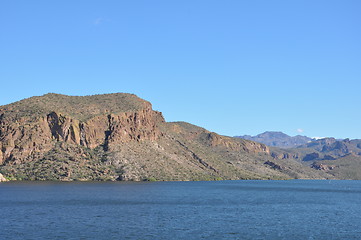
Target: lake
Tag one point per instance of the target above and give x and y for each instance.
(295, 209)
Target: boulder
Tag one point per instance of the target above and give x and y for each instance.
(2, 178)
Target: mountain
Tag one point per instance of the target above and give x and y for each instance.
(326, 149)
(120, 137)
(339, 158)
(278, 139)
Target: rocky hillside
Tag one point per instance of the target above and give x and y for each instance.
(278, 139)
(330, 148)
(339, 158)
(120, 137)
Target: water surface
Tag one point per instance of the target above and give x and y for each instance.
(297, 209)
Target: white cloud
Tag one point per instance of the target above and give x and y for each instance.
(300, 130)
(98, 21)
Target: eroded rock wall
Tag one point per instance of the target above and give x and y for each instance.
(25, 137)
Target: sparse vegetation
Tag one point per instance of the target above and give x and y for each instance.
(79, 107)
(130, 148)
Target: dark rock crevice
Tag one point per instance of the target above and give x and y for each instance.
(107, 134)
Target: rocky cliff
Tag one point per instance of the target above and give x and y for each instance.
(25, 136)
(120, 137)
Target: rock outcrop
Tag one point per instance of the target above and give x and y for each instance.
(215, 140)
(2, 178)
(324, 167)
(27, 136)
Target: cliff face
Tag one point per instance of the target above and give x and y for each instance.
(120, 137)
(26, 136)
(106, 129)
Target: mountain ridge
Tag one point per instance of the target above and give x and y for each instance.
(119, 137)
(277, 139)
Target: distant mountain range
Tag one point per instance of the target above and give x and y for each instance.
(340, 158)
(278, 139)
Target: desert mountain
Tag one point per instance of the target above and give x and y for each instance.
(120, 137)
(339, 158)
(278, 139)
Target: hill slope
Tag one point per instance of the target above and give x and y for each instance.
(339, 158)
(119, 137)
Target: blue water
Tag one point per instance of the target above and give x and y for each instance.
(297, 209)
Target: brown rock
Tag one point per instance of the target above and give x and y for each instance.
(214, 140)
(2, 178)
(28, 135)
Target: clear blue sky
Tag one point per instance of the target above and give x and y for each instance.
(234, 67)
